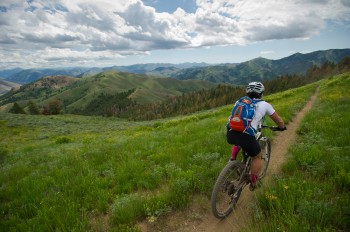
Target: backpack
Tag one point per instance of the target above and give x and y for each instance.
(242, 115)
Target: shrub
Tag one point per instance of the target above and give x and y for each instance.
(16, 109)
(55, 106)
(33, 108)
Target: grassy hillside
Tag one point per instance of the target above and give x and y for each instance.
(40, 90)
(81, 173)
(76, 96)
(146, 89)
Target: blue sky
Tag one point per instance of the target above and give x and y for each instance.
(61, 33)
(171, 5)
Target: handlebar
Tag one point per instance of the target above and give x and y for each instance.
(274, 128)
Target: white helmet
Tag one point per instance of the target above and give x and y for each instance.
(256, 87)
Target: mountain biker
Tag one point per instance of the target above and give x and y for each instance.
(248, 142)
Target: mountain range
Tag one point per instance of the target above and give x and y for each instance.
(81, 90)
(255, 69)
(24, 76)
(261, 69)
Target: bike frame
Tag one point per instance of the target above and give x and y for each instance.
(247, 159)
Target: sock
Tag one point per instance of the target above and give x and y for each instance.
(253, 178)
(235, 150)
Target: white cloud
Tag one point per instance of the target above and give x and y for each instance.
(267, 52)
(39, 31)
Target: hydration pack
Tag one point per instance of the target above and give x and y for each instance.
(242, 115)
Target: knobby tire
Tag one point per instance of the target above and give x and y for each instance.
(222, 200)
(266, 155)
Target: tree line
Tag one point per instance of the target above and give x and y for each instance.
(53, 107)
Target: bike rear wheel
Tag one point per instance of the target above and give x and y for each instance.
(226, 190)
(265, 145)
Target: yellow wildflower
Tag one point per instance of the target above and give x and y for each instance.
(270, 197)
(151, 219)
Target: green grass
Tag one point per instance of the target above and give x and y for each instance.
(313, 192)
(62, 172)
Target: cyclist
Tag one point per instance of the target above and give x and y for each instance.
(248, 142)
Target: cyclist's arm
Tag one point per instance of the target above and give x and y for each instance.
(278, 120)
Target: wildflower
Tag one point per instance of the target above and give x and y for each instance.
(151, 219)
(270, 197)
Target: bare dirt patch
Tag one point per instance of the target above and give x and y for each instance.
(198, 216)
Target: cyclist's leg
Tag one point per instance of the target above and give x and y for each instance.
(235, 139)
(255, 169)
(256, 164)
(235, 150)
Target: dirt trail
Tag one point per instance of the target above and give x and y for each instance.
(199, 217)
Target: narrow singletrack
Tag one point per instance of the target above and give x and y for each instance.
(199, 218)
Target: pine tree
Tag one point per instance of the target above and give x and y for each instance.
(16, 109)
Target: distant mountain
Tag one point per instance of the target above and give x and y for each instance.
(6, 86)
(152, 67)
(164, 71)
(299, 63)
(23, 76)
(262, 69)
(255, 69)
(9, 72)
(78, 93)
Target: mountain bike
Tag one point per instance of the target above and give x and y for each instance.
(235, 176)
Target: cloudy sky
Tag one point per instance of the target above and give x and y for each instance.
(60, 33)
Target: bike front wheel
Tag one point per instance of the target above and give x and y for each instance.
(226, 189)
(265, 145)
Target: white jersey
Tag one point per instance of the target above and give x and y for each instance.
(262, 108)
